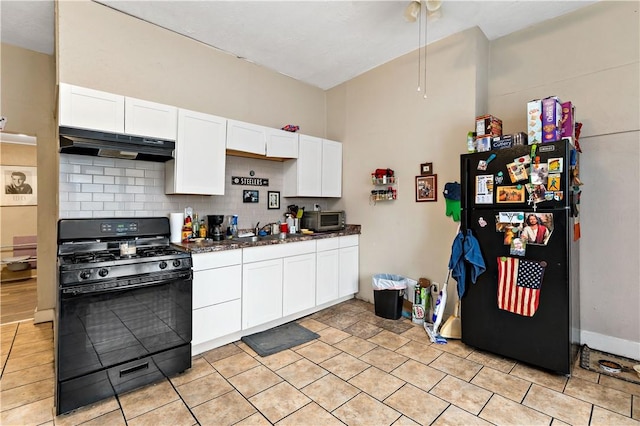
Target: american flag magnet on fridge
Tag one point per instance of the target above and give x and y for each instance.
(519, 283)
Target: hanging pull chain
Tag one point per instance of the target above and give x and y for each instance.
(419, 38)
(426, 19)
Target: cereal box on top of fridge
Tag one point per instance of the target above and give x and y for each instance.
(551, 119)
(534, 121)
(568, 120)
(488, 125)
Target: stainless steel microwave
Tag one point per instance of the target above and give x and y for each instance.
(321, 221)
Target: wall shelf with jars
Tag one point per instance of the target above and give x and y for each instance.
(385, 186)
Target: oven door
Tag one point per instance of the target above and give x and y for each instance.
(115, 337)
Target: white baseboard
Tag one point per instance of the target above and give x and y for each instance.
(612, 345)
(45, 315)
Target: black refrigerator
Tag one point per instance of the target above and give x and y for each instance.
(520, 204)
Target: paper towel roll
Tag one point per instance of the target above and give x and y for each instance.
(176, 220)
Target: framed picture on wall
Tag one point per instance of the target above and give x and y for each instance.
(273, 200)
(426, 169)
(20, 186)
(426, 188)
(250, 196)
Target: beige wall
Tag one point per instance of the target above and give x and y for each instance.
(28, 82)
(384, 123)
(598, 70)
(16, 221)
(107, 50)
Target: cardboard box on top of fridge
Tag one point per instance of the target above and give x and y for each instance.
(534, 121)
(551, 119)
(488, 125)
(568, 120)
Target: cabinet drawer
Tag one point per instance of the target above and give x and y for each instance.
(218, 285)
(277, 251)
(216, 321)
(216, 260)
(328, 244)
(349, 240)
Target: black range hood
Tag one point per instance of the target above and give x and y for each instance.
(114, 145)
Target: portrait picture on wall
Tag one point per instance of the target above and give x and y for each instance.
(273, 200)
(426, 188)
(20, 186)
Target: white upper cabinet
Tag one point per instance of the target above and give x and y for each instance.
(146, 118)
(331, 168)
(318, 170)
(90, 109)
(97, 110)
(281, 143)
(246, 137)
(199, 163)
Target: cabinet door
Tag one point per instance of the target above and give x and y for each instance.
(331, 168)
(144, 118)
(309, 166)
(216, 321)
(199, 163)
(327, 276)
(281, 143)
(349, 271)
(90, 109)
(246, 137)
(261, 292)
(299, 283)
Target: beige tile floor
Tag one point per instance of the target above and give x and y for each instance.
(363, 370)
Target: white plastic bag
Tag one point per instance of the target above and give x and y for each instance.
(390, 282)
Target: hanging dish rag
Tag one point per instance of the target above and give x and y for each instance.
(452, 200)
(519, 283)
(465, 251)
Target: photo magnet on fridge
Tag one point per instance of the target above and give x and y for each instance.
(517, 172)
(553, 182)
(555, 165)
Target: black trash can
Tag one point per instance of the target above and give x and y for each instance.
(388, 294)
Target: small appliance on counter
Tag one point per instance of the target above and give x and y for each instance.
(214, 227)
(323, 220)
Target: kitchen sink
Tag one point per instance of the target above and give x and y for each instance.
(257, 239)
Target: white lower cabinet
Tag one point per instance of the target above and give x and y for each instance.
(261, 292)
(217, 293)
(349, 266)
(299, 283)
(327, 270)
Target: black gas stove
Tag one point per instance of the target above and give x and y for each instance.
(124, 307)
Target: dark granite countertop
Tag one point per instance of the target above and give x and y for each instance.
(208, 245)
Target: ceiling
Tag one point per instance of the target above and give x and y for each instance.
(322, 43)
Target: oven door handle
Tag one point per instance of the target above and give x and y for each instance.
(126, 284)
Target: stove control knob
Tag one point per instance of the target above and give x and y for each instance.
(176, 263)
(103, 272)
(163, 264)
(85, 275)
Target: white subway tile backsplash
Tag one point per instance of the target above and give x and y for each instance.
(114, 188)
(138, 187)
(91, 205)
(92, 187)
(107, 180)
(82, 214)
(92, 170)
(124, 197)
(103, 197)
(111, 171)
(119, 180)
(105, 162)
(134, 189)
(80, 196)
(69, 168)
(134, 172)
(80, 178)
